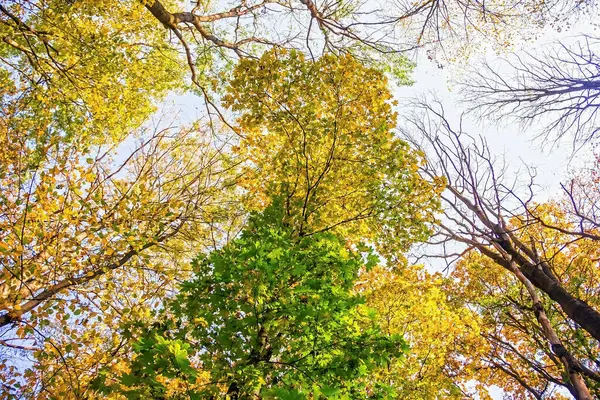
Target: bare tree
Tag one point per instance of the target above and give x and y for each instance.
(481, 204)
(558, 88)
(582, 200)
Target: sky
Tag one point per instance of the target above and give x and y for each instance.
(554, 163)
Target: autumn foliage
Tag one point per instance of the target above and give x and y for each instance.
(284, 241)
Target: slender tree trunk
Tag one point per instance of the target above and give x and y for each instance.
(529, 264)
(577, 310)
(570, 364)
(262, 352)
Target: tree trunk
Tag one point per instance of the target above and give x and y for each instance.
(570, 364)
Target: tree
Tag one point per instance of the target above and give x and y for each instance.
(515, 345)
(270, 315)
(443, 334)
(76, 228)
(315, 142)
(90, 72)
(479, 213)
(112, 228)
(319, 134)
(324, 164)
(77, 223)
(319, 155)
(559, 88)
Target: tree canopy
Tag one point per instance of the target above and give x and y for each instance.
(306, 234)
(273, 315)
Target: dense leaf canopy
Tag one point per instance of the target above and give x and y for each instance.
(272, 314)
